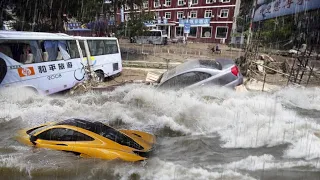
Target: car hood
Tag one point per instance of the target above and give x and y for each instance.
(146, 140)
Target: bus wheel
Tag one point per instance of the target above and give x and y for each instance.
(31, 91)
(100, 76)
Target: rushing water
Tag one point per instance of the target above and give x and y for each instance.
(207, 133)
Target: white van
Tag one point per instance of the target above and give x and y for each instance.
(45, 62)
(154, 36)
(105, 56)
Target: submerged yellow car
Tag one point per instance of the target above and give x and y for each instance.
(90, 139)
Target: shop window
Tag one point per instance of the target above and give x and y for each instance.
(179, 31)
(206, 32)
(221, 32)
(193, 32)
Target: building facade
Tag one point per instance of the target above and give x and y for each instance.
(209, 20)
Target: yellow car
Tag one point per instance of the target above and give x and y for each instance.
(90, 139)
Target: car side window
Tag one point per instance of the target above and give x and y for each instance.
(78, 136)
(63, 134)
(203, 75)
(185, 80)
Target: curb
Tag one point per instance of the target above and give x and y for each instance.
(152, 65)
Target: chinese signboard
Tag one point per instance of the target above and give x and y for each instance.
(195, 22)
(30, 71)
(157, 22)
(278, 8)
(186, 28)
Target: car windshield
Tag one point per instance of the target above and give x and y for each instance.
(38, 129)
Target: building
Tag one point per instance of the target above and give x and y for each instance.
(209, 20)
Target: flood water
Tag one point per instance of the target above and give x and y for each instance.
(209, 133)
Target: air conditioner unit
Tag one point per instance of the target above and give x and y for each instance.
(183, 17)
(212, 16)
(189, 16)
(220, 0)
(164, 5)
(184, 3)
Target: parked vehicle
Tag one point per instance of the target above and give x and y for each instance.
(105, 55)
(196, 73)
(42, 62)
(90, 139)
(48, 63)
(158, 37)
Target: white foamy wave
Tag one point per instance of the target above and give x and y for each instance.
(158, 169)
(305, 98)
(246, 120)
(15, 161)
(267, 162)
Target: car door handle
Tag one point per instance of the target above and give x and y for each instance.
(62, 144)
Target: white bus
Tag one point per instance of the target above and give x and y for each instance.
(158, 37)
(105, 56)
(43, 62)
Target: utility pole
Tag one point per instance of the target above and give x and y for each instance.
(251, 21)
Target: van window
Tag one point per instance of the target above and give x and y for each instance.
(111, 46)
(96, 47)
(103, 47)
(63, 50)
(23, 51)
(73, 49)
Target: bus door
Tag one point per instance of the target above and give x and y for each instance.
(59, 70)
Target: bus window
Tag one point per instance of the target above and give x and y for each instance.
(51, 47)
(73, 49)
(96, 47)
(25, 52)
(111, 46)
(157, 33)
(63, 51)
(6, 50)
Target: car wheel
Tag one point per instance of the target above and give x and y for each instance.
(100, 76)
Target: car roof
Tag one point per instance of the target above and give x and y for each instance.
(189, 65)
(84, 124)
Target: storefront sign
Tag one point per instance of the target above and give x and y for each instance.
(195, 22)
(283, 7)
(186, 28)
(157, 22)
